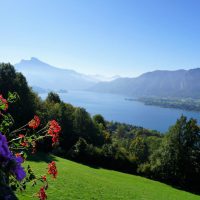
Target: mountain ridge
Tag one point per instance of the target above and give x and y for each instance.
(159, 83)
(46, 76)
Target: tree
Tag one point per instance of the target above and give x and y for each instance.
(178, 158)
(7, 78)
(10, 80)
(139, 149)
(99, 120)
(53, 98)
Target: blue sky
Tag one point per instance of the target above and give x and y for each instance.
(106, 37)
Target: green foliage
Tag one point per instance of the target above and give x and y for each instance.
(12, 97)
(7, 78)
(15, 83)
(80, 147)
(6, 122)
(177, 160)
(84, 127)
(99, 120)
(53, 98)
(139, 149)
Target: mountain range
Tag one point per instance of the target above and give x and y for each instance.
(159, 83)
(43, 76)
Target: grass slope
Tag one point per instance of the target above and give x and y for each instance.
(76, 181)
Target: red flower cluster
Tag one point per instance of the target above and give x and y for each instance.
(42, 194)
(4, 103)
(54, 130)
(34, 123)
(23, 143)
(54, 127)
(52, 169)
(21, 136)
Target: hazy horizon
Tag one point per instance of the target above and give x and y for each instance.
(125, 38)
(103, 75)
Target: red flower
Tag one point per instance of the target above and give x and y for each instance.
(53, 127)
(55, 138)
(21, 136)
(52, 169)
(18, 154)
(35, 122)
(4, 103)
(44, 178)
(54, 130)
(24, 144)
(42, 194)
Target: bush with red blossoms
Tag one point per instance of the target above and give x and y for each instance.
(12, 153)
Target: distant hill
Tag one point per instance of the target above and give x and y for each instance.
(180, 83)
(99, 78)
(44, 76)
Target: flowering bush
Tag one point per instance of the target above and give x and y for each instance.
(13, 148)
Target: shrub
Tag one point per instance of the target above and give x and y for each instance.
(13, 147)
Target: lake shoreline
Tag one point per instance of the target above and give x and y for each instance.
(115, 108)
(186, 105)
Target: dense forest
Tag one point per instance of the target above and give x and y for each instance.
(173, 158)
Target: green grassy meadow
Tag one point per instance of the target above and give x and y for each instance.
(76, 181)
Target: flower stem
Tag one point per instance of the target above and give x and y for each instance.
(19, 129)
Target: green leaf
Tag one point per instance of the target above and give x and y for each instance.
(12, 97)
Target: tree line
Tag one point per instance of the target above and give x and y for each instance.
(173, 158)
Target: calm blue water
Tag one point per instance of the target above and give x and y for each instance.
(116, 108)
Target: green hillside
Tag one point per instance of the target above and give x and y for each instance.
(77, 181)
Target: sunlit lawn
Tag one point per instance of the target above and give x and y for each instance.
(76, 181)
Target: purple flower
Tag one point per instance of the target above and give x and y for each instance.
(5, 153)
(18, 170)
(6, 157)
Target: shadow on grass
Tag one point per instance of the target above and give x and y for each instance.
(189, 189)
(94, 166)
(41, 157)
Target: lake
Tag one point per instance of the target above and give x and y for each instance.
(116, 108)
